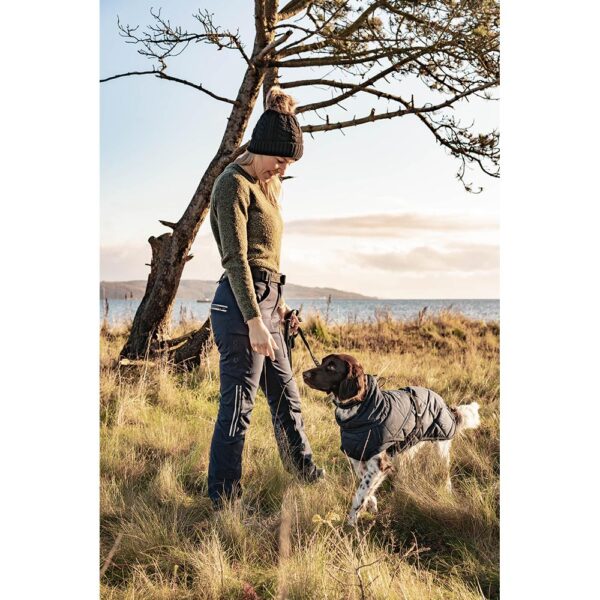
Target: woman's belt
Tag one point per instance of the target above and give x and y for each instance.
(260, 274)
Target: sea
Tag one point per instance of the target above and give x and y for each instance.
(337, 311)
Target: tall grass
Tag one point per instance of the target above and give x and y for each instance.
(284, 539)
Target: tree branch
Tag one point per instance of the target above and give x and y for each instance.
(365, 84)
(292, 8)
(387, 96)
(410, 108)
(410, 17)
(359, 58)
(161, 40)
(162, 75)
(276, 42)
(344, 124)
(360, 19)
(128, 74)
(168, 224)
(288, 50)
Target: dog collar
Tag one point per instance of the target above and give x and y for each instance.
(343, 405)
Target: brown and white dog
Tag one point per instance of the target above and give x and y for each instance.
(375, 424)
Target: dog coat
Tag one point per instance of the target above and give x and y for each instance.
(393, 420)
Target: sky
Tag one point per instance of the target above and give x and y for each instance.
(376, 211)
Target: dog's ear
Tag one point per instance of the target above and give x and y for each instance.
(353, 386)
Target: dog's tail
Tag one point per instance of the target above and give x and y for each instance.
(467, 416)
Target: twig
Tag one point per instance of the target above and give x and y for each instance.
(167, 224)
(284, 544)
(111, 554)
(370, 564)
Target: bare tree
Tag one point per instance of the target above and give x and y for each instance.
(443, 52)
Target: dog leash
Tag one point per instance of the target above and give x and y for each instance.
(290, 338)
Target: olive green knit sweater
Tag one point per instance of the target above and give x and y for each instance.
(247, 228)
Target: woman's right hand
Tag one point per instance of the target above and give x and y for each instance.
(261, 340)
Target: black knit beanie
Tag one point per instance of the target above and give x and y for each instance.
(277, 134)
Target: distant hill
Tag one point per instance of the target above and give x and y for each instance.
(198, 289)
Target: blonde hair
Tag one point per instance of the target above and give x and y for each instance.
(272, 188)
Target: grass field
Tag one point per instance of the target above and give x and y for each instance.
(285, 539)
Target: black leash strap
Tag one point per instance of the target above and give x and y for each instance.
(290, 338)
(317, 363)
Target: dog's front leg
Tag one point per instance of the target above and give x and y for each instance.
(373, 477)
(359, 467)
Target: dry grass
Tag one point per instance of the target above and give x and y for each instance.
(283, 539)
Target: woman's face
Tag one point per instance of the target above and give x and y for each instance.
(267, 167)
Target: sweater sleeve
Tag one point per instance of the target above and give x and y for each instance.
(232, 202)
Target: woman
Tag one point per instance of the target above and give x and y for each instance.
(248, 307)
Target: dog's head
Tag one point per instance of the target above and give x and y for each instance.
(340, 374)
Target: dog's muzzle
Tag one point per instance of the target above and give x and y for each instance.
(307, 376)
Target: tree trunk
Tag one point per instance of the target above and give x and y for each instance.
(190, 354)
(170, 251)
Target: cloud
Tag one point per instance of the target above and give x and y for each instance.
(388, 225)
(475, 258)
(452, 271)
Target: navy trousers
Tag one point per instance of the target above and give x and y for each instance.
(241, 372)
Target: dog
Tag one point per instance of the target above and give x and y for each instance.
(376, 425)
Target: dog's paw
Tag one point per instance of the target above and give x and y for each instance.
(371, 505)
(352, 518)
(448, 485)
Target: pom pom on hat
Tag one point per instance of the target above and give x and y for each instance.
(278, 100)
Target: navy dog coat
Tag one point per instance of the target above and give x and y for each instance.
(393, 420)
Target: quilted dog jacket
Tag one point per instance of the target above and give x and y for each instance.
(389, 420)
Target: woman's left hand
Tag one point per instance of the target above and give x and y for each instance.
(284, 311)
